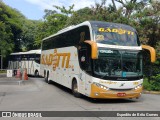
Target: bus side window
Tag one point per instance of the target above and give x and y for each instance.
(84, 60)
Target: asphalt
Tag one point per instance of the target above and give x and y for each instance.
(13, 80)
(36, 95)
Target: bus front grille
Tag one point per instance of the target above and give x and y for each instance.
(121, 89)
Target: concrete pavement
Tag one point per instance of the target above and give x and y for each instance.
(36, 95)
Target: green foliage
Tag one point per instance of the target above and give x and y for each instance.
(12, 27)
(53, 22)
(154, 85)
(64, 11)
(6, 45)
(79, 16)
(28, 35)
(147, 85)
(156, 82)
(16, 32)
(148, 23)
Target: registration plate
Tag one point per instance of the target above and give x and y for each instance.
(121, 94)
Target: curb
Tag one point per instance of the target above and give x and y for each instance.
(151, 92)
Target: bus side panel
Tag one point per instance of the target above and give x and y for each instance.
(65, 71)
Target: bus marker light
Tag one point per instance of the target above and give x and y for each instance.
(96, 94)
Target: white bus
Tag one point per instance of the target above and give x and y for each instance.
(96, 59)
(29, 60)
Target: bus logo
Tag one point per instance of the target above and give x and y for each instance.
(54, 59)
(116, 30)
(122, 84)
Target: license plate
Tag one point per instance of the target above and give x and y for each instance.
(121, 94)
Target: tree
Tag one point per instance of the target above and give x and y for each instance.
(16, 32)
(79, 16)
(6, 45)
(53, 22)
(10, 19)
(28, 36)
(148, 26)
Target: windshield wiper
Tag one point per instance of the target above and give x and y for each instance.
(104, 75)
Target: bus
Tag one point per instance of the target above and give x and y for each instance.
(96, 59)
(29, 60)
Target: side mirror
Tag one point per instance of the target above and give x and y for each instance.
(94, 49)
(151, 51)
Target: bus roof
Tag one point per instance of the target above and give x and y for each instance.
(28, 52)
(90, 23)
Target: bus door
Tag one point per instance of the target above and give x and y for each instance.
(85, 64)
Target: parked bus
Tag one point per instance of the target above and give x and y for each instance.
(96, 59)
(29, 60)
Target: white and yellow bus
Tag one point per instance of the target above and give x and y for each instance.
(29, 60)
(96, 59)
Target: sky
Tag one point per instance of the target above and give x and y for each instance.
(34, 9)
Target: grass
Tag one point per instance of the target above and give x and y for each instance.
(3, 71)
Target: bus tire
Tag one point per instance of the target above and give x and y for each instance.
(48, 81)
(44, 73)
(75, 89)
(45, 76)
(36, 73)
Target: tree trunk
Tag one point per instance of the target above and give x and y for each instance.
(114, 5)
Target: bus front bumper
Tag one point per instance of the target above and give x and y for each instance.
(97, 92)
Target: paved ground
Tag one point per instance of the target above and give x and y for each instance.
(36, 95)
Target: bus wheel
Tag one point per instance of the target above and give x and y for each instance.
(47, 80)
(75, 89)
(36, 74)
(45, 76)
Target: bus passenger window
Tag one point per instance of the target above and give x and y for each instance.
(83, 59)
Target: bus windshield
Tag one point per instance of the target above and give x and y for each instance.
(115, 34)
(118, 63)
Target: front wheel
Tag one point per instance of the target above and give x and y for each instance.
(75, 89)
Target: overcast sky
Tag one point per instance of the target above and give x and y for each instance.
(34, 9)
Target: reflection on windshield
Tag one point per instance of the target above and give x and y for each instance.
(119, 65)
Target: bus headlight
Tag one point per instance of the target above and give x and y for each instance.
(101, 86)
(137, 87)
